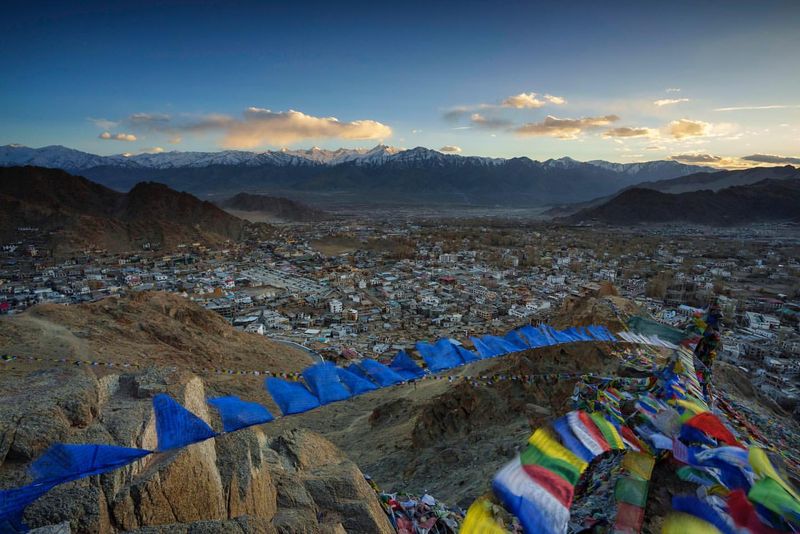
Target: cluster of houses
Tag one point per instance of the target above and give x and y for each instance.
(368, 300)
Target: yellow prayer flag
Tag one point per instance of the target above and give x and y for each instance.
(680, 523)
(479, 519)
(639, 463)
(545, 442)
(764, 468)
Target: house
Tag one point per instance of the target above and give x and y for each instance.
(335, 306)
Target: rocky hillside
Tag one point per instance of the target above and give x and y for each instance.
(274, 208)
(149, 329)
(765, 201)
(76, 213)
(246, 481)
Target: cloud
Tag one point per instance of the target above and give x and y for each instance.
(152, 150)
(488, 123)
(770, 158)
(669, 101)
(655, 147)
(531, 101)
(416, 131)
(625, 131)
(104, 124)
(711, 160)
(154, 121)
(673, 89)
(683, 128)
(262, 126)
(259, 126)
(750, 108)
(108, 136)
(452, 149)
(696, 158)
(564, 128)
(456, 114)
(520, 101)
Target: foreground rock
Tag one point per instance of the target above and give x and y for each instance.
(248, 481)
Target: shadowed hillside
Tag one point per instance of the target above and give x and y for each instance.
(768, 200)
(75, 213)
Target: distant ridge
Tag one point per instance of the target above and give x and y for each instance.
(276, 207)
(73, 213)
(379, 175)
(765, 201)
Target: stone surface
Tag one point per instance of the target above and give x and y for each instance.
(245, 481)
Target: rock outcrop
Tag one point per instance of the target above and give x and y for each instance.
(247, 481)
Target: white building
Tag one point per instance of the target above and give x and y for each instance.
(335, 306)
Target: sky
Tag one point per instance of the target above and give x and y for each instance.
(706, 82)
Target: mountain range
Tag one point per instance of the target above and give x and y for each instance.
(72, 213)
(379, 175)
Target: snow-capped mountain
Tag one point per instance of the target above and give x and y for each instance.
(380, 172)
(74, 160)
(648, 167)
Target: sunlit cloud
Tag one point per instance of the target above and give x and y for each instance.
(152, 150)
(450, 149)
(720, 162)
(259, 126)
(770, 158)
(683, 128)
(625, 131)
(564, 128)
(669, 101)
(531, 101)
(262, 126)
(103, 124)
(488, 123)
(697, 158)
(752, 108)
(108, 136)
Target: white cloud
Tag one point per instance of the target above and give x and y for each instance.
(108, 136)
(684, 128)
(669, 101)
(626, 131)
(751, 108)
(450, 149)
(531, 101)
(259, 126)
(262, 126)
(488, 123)
(564, 128)
(673, 89)
(103, 124)
(696, 158)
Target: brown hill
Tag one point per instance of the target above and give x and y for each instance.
(149, 329)
(272, 208)
(767, 200)
(75, 213)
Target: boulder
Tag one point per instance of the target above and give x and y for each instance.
(244, 481)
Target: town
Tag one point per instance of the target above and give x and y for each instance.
(366, 288)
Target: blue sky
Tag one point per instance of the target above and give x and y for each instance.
(479, 77)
